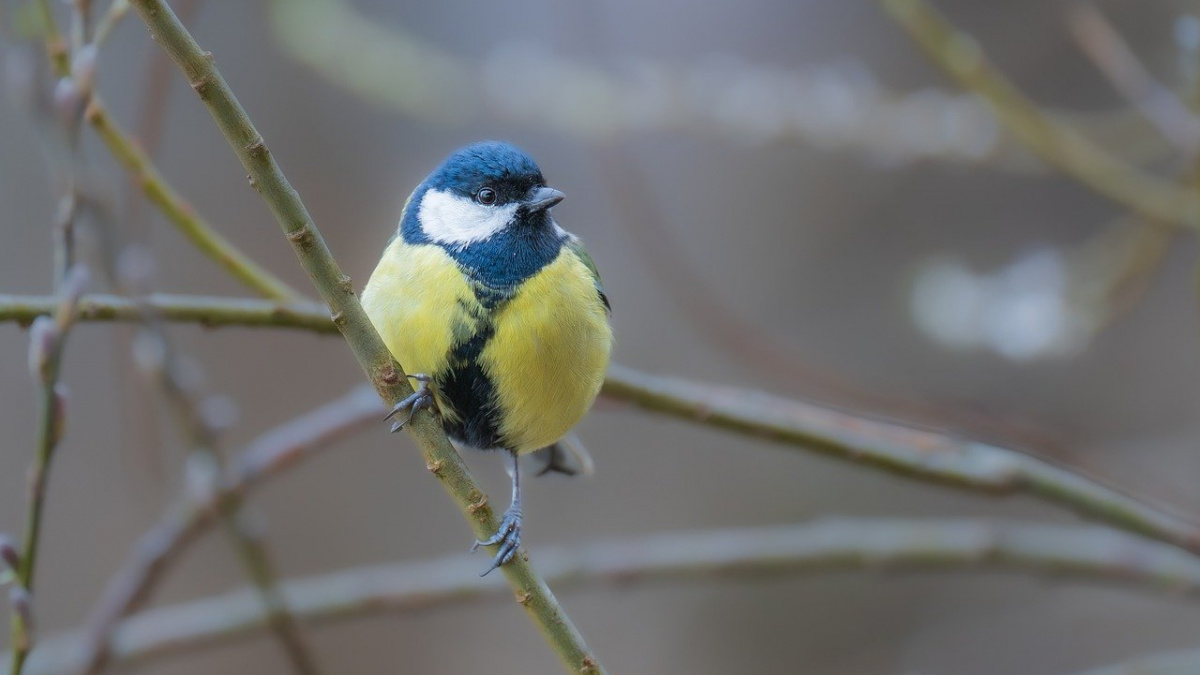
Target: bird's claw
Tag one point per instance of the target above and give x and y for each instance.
(421, 398)
(508, 536)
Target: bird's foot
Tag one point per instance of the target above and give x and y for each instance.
(422, 397)
(508, 536)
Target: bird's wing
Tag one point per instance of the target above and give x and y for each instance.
(577, 248)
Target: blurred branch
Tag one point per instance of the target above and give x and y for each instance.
(179, 388)
(338, 292)
(831, 544)
(48, 339)
(831, 107)
(902, 450)
(164, 543)
(117, 10)
(1183, 662)
(157, 190)
(195, 228)
(1115, 58)
(1060, 145)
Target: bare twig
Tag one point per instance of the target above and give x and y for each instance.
(157, 190)
(337, 291)
(1058, 144)
(47, 341)
(208, 311)
(1114, 57)
(163, 544)
(156, 356)
(832, 544)
(117, 10)
(903, 450)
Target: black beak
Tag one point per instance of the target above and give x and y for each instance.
(542, 199)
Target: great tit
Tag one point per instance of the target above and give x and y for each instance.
(498, 312)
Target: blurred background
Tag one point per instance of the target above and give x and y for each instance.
(780, 195)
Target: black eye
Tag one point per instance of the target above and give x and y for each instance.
(486, 196)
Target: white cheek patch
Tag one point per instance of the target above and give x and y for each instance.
(448, 218)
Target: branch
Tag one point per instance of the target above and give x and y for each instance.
(1091, 554)
(840, 107)
(916, 454)
(206, 311)
(1058, 144)
(143, 172)
(338, 292)
(1113, 56)
(272, 452)
(47, 344)
(905, 451)
(156, 357)
(191, 225)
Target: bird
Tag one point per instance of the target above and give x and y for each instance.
(499, 314)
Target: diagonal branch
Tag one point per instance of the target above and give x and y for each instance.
(144, 174)
(1060, 145)
(337, 291)
(1091, 554)
(182, 524)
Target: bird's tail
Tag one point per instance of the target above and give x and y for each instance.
(567, 457)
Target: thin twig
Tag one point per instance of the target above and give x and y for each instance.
(47, 343)
(164, 543)
(1058, 144)
(338, 292)
(1091, 554)
(194, 227)
(117, 11)
(157, 357)
(143, 172)
(902, 450)
(207, 311)
(1116, 59)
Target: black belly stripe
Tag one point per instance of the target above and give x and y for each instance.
(467, 387)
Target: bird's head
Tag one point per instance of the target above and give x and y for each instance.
(480, 191)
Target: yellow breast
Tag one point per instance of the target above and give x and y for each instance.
(549, 353)
(420, 303)
(550, 342)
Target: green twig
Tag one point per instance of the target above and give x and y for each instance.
(902, 450)
(1091, 554)
(194, 227)
(338, 292)
(1057, 144)
(208, 311)
(157, 190)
